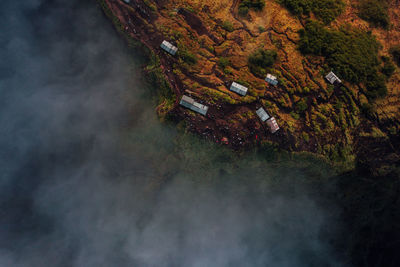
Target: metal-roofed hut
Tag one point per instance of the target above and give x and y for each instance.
(332, 78)
(271, 79)
(238, 88)
(189, 103)
(167, 46)
(273, 125)
(262, 114)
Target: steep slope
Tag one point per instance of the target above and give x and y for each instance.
(215, 42)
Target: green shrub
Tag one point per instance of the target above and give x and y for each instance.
(188, 57)
(353, 54)
(395, 52)
(301, 106)
(388, 68)
(376, 87)
(368, 110)
(260, 60)
(246, 5)
(306, 137)
(325, 10)
(223, 62)
(243, 11)
(375, 12)
(295, 115)
(228, 26)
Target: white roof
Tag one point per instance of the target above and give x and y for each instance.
(262, 114)
(270, 76)
(332, 78)
(271, 79)
(189, 102)
(167, 46)
(238, 88)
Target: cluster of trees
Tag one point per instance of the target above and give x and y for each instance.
(246, 5)
(375, 12)
(353, 54)
(325, 10)
(260, 60)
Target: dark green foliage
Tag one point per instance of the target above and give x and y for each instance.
(395, 52)
(376, 86)
(228, 26)
(301, 106)
(368, 110)
(246, 5)
(353, 54)
(325, 10)
(260, 60)
(388, 68)
(188, 57)
(243, 11)
(375, 12)
(224, 62)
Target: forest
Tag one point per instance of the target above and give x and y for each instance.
(351, 53)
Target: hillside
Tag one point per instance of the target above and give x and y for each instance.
(298, 41)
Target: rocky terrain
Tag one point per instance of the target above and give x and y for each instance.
(215, 40)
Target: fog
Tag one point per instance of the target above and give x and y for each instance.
(90, 177)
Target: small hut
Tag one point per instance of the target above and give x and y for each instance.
(332, 78)
(239, 89)
(189, 103)
(271, 79)
(167, 46)
(273, 125)
(262, 114)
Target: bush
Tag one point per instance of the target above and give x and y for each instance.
(388, 68)
(228, 26)
(301, 106)
(375, 12)
(325, 10)
(376, 86)
(246, 5)
(224, 62)
(368, 110)
(243, 11)
(188, 57)
(353, 54)
(395, 52)
(260, 60)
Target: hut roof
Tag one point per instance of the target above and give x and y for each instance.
(273, 125)
(189, 103)
(262, 114)
(167, 46)
(332, 78)
(238, 88)
(271, 79)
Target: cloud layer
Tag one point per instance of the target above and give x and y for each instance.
(89, 177)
